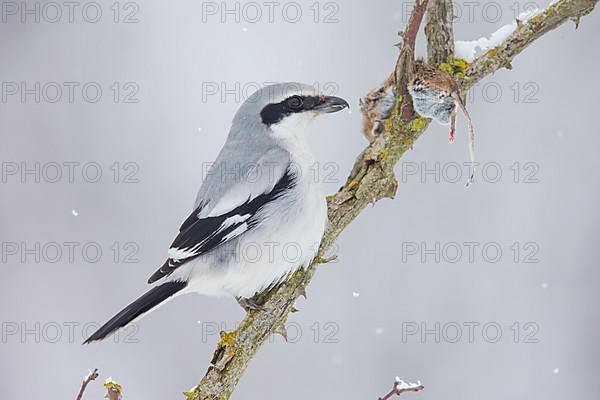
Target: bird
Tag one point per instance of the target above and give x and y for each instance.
(259, 214)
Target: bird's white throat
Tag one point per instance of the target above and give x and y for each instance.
(292, 133)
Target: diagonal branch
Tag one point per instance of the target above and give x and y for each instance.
(372, 178)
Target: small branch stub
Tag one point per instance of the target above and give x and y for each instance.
(400, 387)
(91, 376)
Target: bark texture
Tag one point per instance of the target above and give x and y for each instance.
(372, 177)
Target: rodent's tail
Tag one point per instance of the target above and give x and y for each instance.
(471, 137)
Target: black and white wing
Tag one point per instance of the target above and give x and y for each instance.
(200, 234)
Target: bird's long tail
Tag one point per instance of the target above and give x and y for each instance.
(142, 305)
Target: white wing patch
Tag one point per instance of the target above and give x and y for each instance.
(201, 233)
(175, 254)
(236, 232)
(234, 219)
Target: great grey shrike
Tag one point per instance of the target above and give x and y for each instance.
(259, 214)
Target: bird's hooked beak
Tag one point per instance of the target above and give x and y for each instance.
(331, 104)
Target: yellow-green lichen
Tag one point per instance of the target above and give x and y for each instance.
(550, 11)
(457, 67)
(383, 154)
(112, 385)
(416, 125)
(227, 339)
(388, 123)
(294, 280)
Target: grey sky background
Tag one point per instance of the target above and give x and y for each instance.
(536, 126)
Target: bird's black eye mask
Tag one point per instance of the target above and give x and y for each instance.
(275, 112)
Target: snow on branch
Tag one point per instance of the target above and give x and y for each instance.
(508, 41)
(401, 387)
(468, 49)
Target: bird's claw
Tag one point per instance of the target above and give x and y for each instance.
(248, 304)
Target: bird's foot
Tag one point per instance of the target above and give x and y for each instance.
(248, 304)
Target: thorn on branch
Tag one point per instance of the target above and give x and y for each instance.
(303, 293)
(391, 191)
(400, 387)
(280, 330)
(325, 260)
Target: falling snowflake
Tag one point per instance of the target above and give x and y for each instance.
(355, 294)
(379, 331)
(545, 285)
(74, 212)
(555, 371)
(244, 29)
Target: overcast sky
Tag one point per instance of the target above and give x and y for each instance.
(487, 292)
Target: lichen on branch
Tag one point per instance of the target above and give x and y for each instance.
(371, 179)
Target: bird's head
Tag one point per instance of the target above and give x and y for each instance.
(287, 108)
